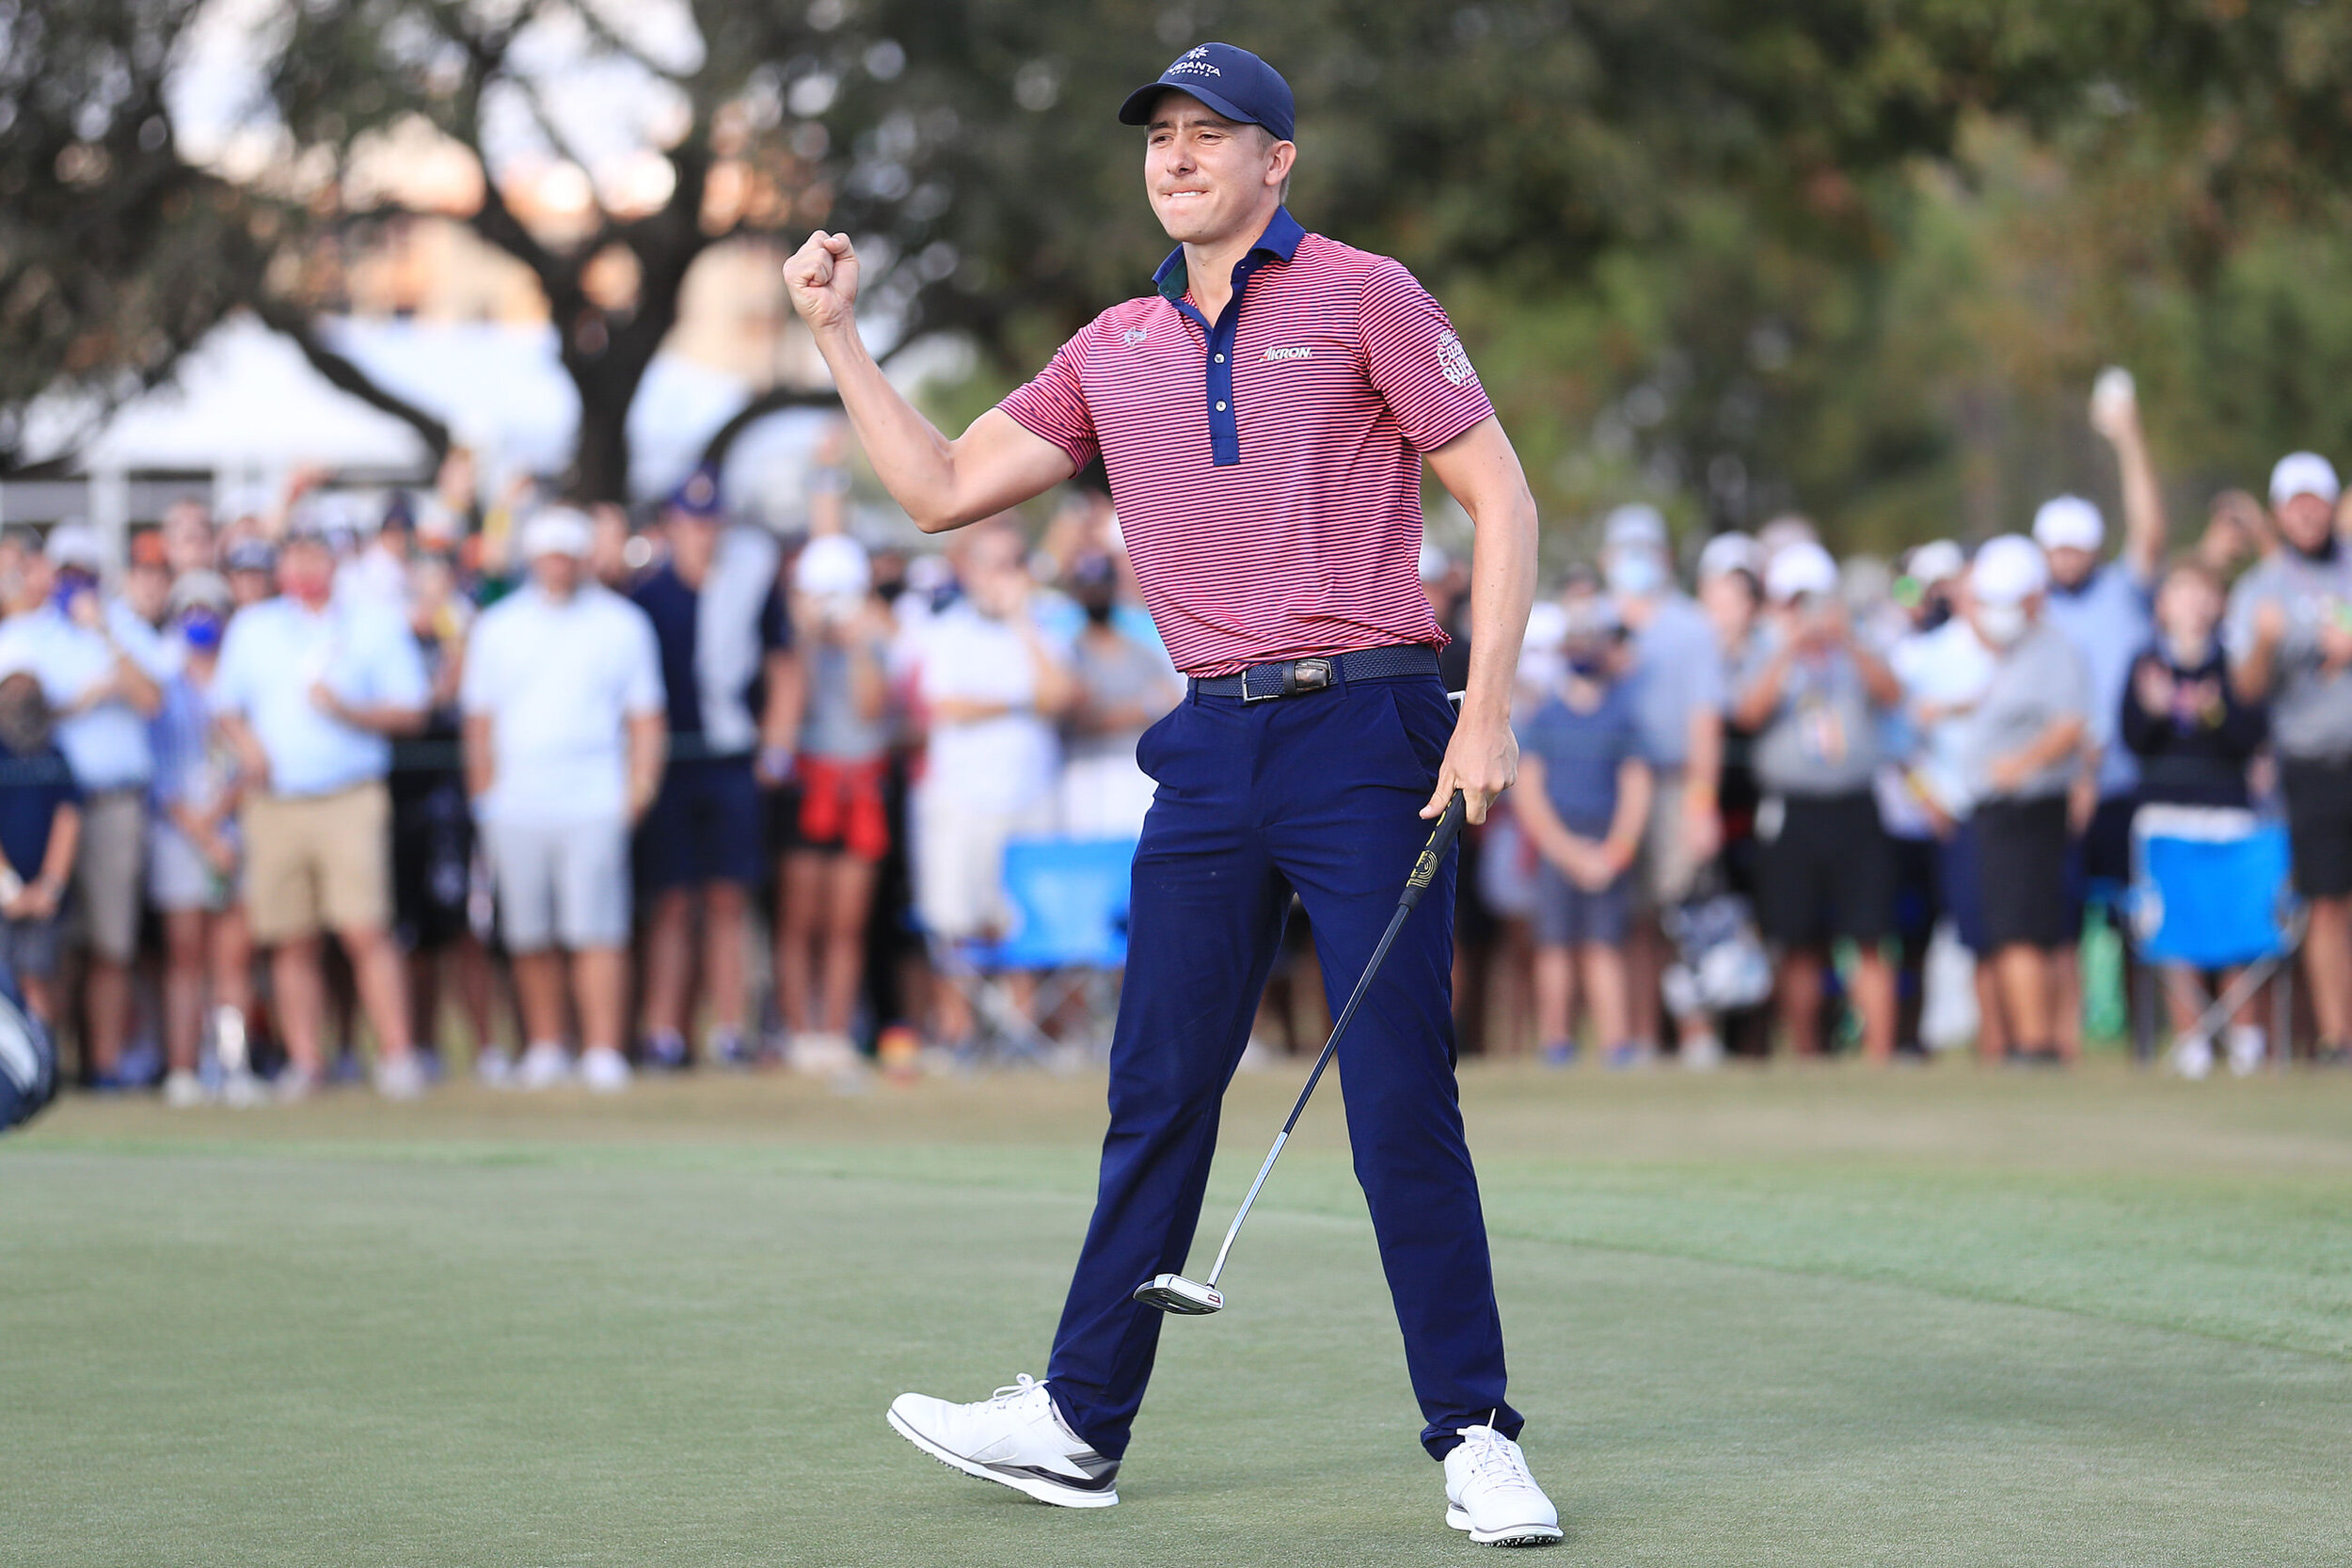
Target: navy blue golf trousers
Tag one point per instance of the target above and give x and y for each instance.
(1317, 794)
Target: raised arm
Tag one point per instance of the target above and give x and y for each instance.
(940, 484)
(2144, 528)
(1480, 470)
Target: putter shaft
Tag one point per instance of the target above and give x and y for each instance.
(1441, 838)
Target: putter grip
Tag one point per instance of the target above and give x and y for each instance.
(1433, 853)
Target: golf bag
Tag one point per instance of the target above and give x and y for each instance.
(28, 1061)
(1719, 963)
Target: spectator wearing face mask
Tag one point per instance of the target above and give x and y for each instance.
(837, 825)
(1119, 688)
(1675, 677)
(311, 692)
(194, 855)
(1813, 697)
(1944, 667)
(2290, 643)
(1584, 792)
(2023, 757)
(101, 667)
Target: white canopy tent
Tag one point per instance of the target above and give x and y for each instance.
(246, 407)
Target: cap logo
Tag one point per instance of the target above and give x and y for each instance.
(1453, 359)
(1194, 64)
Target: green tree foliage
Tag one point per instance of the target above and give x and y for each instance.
(1857, 256)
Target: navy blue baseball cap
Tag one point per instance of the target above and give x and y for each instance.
(698, 495)
(1233, 82)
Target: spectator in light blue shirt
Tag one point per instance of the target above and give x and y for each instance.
(2104, 611)
(1676, 681)
(100, 666)
(309, 692)
(564, 735)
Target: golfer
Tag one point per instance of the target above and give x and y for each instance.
(1264, 414)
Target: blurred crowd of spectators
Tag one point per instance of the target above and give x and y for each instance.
(545, 776)
(548, 776)
(1760, 803)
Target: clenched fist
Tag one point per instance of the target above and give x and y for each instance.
(823, 280)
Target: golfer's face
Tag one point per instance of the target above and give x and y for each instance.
(1207, 175)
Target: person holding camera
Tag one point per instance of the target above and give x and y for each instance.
(1813, 697)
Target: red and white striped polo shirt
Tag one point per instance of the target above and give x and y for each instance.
(1270, 497)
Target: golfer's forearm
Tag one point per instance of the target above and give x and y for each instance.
(1503, 590)
(915, 462)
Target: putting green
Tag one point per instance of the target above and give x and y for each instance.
(1814, 1318)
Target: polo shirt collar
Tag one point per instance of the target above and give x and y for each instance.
(1279, 243)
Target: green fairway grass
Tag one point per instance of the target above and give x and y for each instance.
(1814, 1318)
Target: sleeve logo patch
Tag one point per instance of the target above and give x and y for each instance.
(1135, 335)
(1302, 352)
(1452, 358)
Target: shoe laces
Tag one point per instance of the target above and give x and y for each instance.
(1493, 1459)
(1018, 1389)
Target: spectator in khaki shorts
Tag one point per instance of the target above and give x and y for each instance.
(309, 692)
(99, 665)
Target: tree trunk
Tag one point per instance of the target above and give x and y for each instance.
(601, 459)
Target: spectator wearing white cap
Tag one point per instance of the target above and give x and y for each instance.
(1674, 678)
(101, 668)
(310, 692)
(564, 740)
(1813, 697)
(2290, 641)
(836, 827)
(1941, 667)
(1944, 667)
(2022, 757)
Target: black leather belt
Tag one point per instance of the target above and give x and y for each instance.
(1291, 677)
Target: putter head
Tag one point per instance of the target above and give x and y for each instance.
(1173, 1292)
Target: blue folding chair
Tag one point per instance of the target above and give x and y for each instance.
(1069, 935)
(2211, 890)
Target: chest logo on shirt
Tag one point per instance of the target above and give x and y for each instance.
(1453, 359)
(1301, 351)
(1135, 335)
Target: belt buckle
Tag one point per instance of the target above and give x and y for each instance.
(1247, 696)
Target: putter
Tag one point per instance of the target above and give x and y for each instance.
(1194, 1298)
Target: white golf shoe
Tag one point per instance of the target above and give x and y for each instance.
(1489, 1493)
(1015, 1438)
